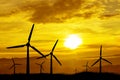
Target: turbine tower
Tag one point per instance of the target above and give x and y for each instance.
(14, 66)
(100, 59)
(41, 66)
(52, 56)
(86, 66)
(28, 45)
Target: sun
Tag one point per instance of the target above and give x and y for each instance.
(72, 41)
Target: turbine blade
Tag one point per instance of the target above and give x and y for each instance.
(88, 66)
(11, 66)
(18, 46)
(43, 56)
(39, 57)
(106, 60)
(18, 64)
(54, 46)
(29, 38)
(95, 62)
(36, 50)
(57, 59)
(13, 61)
(37, 63)
(42, 62)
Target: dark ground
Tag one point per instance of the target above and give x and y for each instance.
(78, 76)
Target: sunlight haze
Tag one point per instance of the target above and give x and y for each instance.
(92, 22)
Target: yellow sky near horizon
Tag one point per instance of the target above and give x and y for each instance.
(96, 22)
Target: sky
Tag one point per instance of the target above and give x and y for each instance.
(96, 22)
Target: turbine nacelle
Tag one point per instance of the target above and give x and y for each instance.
(28, 44)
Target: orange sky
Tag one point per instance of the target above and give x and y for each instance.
(95, 21)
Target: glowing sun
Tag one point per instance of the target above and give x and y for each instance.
(72, 41)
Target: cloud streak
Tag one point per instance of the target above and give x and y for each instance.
(47, 11)
(94, 46)
(56, 11)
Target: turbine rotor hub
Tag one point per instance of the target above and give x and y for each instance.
(28, 44)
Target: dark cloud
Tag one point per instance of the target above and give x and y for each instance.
(47, 11)
(106, 16)
(43, 12)
(116, 55)
(104, 46)
(112, 8)
(8, 8)
(53, 10)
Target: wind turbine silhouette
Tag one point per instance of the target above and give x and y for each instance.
(51, 56)
(28, 45)
(14, 66)
(41, 66)
(86, 66)
(100, 59)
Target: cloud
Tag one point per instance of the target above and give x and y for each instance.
(111, 26)
(65, 9)
(85, 9)
(95, 46)
(57, 12)
(112, 8)
(9, 26)
(8, 8)
(84, 30)
(42, 41)
(106, 16)
(51, 10)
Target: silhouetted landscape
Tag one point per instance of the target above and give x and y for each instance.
(60, 40)
(77, 76)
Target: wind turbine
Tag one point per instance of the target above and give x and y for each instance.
(52, 56)
(14, 66)
(100, 59)
(28, 45)
(86, 66)
(41, 66)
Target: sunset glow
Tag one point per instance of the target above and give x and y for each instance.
(72, 41)
(81, 26)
